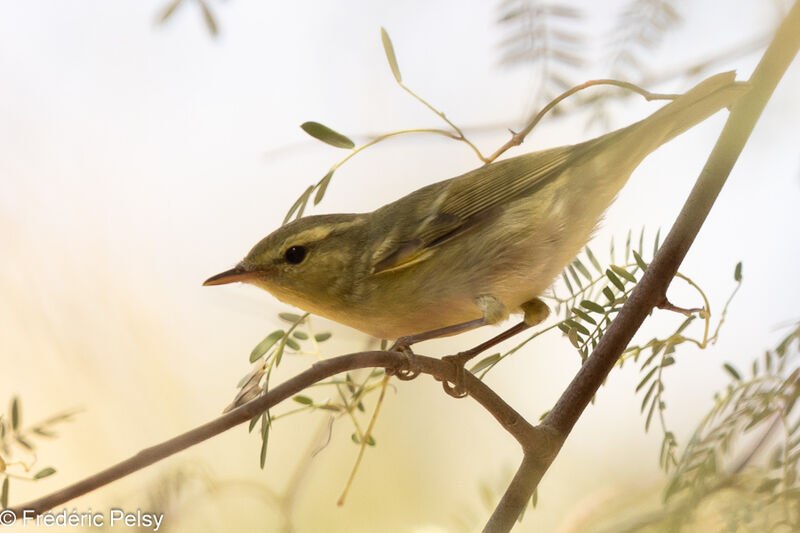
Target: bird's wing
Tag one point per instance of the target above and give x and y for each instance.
(468, 200)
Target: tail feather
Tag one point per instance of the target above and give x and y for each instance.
(691, 108)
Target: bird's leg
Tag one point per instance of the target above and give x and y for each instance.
(403, 344)
(536, 311)
(492, 311)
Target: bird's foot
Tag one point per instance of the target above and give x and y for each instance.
(410, 369)
(456, 388)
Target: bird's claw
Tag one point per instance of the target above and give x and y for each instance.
(456, 388)
(410, 369)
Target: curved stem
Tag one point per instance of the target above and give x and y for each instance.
(517, 138)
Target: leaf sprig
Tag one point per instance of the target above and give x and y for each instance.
(16, 438)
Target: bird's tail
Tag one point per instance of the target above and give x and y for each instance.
(690, 108)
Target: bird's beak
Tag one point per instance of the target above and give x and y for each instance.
(237, 273)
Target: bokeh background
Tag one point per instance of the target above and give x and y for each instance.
(137, 159)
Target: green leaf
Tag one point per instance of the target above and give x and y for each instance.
(594, 307)
(656, 242)
(535, 497)
(575, 275)
(322, 337)
(485, 363)
(253, 422)
(732, 371)
(265, 423)
(44, 472)
(584, 316)
(737, 272)
(292, 318)
(641, 241)
(300, 204)
(349, 382)
(611, 249)
(322, 186)
(615, 280)
(264, 346)
(572, 335)
(628, 245)
(300, 335)
(291, 343)
(648, 394)
(390, 57)
(15, 413)
(577, 326)
(4, 494)
(593, 260)
(370, 440)
(646, 378)
(639, 260)
(304, 400)
(623, 273)
(582, 269)
(684, 325)
(327, 135)
(567, 283)
(608, 294)
(650, 413)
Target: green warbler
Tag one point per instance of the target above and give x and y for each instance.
(469, 250)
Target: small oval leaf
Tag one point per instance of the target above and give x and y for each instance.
(390, 57)
(322, 337)
(327, 135)
(291, 343)
(592, 306)
(43, 473)
(4, 495)
(263, 346)
(304, 400)
(299, 205)
(15, 413)
(732, 371)
(291, 318)
(322, 186)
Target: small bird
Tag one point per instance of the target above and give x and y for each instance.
(469, 250)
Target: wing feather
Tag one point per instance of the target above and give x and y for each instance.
(464, 202)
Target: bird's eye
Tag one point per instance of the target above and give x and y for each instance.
(295, 254)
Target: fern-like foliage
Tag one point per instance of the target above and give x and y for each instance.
(299, 338)
(760, 403)
(640, 28)
(542, 34)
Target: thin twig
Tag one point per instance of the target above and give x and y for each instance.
(518, 137)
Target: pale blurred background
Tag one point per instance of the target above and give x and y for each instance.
(136, 160)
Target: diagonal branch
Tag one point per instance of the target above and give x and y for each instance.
(652, 288)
